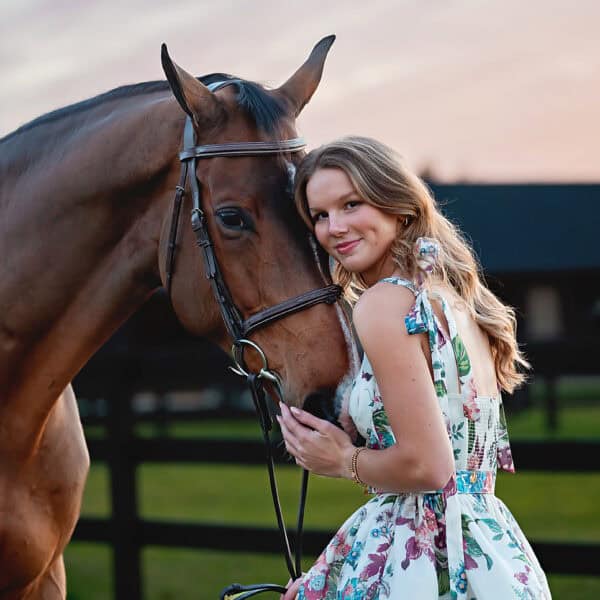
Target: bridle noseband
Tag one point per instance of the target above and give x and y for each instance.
(238, 327)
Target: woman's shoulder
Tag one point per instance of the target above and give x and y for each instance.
(381, 309)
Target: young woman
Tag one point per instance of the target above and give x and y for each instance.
(439, 347)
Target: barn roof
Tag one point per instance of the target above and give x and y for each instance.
(535, 227)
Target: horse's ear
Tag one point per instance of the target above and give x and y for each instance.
(300, 87)
(193, 96)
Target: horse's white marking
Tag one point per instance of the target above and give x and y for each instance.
(291, 171)
(315, 250)
(342, 393)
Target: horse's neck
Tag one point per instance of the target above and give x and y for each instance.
(79, 235)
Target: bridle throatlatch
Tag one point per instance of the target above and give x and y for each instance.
(238, 327)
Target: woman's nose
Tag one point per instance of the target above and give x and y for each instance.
(337, 225)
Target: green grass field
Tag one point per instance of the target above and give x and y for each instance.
(549, 506)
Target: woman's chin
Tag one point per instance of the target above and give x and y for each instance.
(350, 262)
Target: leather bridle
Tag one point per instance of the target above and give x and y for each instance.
(238, 327)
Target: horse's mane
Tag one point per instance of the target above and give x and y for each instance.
(252, 97)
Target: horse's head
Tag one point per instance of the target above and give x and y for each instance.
(261, 245)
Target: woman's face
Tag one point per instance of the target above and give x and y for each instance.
(356, 233)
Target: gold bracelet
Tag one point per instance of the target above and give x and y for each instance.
(353, 465)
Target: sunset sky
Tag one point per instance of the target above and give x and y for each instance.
(497, 90)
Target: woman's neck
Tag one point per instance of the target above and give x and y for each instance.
(387, 268)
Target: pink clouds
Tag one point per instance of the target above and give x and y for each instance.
(496, 90)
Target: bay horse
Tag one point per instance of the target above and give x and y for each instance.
(85, 211)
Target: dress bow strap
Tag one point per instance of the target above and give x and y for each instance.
(427, 252)
(420, 318)
(417, 320)
(455, 542)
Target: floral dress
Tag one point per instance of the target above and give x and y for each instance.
(460, 542)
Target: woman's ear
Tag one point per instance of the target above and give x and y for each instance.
(399, 224)
(403, 222)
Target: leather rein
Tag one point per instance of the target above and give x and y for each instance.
(238, 327)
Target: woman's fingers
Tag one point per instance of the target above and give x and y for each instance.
(293, 425)
(292, 590)
(303, 420)
(316, 444)
(287, 585)
(291, 443)
(293, 432)
(309, 420)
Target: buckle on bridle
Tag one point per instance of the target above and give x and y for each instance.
(197, 218)
(240, 368)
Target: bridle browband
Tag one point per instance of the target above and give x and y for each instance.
(243, 149)
(238, 327)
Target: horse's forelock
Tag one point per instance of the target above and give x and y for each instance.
(266, 110)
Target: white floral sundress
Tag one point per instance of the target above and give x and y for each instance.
(461, 542)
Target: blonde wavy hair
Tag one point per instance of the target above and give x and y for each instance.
(380, 178)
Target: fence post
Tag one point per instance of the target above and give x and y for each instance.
(126, 547)
(552, 403)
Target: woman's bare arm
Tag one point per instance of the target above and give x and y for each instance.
(421, 459)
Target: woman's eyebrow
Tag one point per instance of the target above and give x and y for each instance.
(342, 197)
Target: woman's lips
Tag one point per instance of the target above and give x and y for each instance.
(346, 247)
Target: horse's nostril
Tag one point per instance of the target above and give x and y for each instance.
(321, 404)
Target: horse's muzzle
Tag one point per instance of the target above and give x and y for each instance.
(321, 404)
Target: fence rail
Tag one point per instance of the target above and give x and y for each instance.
(561, 558)
(571, 456)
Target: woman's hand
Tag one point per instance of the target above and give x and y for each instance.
(316, 444)
(292, 589)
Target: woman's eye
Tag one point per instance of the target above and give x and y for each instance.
(319, 217)
(232, 219)
(353, 203)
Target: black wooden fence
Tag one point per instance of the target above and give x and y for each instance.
(531, 257)
(127, 533)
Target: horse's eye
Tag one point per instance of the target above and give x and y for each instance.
(232, 218)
